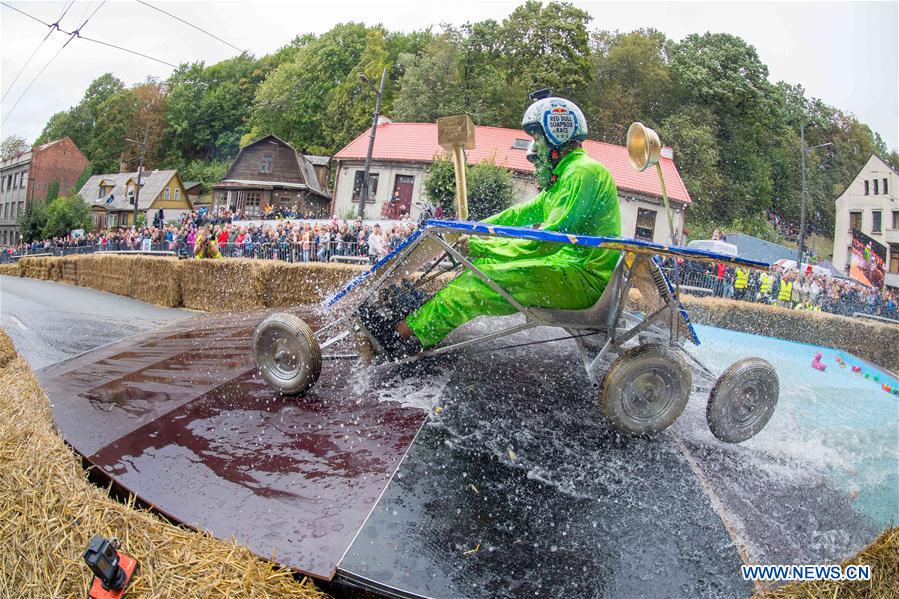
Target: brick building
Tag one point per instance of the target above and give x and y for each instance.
(28, 176)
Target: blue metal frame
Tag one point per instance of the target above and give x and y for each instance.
(613, 243)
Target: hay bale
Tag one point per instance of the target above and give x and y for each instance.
(882, 556)
(115, 274)
(50, 511)
(10, 269)
(34, 267)
(156, 280)
(54, 268)
(220, 285)
(89, 271)
(7, 350)
(283, 284)
(68, 269)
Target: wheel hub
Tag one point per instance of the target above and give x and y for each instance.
(648, 395)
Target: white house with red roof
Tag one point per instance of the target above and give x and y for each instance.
(403, 152)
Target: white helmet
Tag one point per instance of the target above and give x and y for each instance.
(559, 120)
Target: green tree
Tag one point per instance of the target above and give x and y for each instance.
(490, 187)
(52, 191)
(13, 145)
(80, 122)
(32, 223)
(64, 214)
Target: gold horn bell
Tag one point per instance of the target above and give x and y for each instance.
(643, 146)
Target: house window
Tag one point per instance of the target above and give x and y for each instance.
(646, 224)
(131, 195)
(372, 187)
(855, 221)
(894, 257)
(885, 186)
(165, 193)
(100, 191)
(876, 186)
(2, 184)
(266, 166)
(521, 144)
(896, 220)
(177, 193)
(866, 187)
(15, 180)
(254, 199)
(876, 224)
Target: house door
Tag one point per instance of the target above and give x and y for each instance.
(401, 199)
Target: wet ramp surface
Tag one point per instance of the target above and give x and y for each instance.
(180, 419)
(514, 487)
(519, 488)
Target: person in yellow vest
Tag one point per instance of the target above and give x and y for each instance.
(767, 284)
(741, 283)
(785, 293)
(206, 246)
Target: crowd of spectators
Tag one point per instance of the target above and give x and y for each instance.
(786, 287)
(358, 241)
(284, 239)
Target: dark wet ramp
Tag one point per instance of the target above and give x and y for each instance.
(519, 488)
(179, 418)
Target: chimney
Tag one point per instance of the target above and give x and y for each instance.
(668, 152)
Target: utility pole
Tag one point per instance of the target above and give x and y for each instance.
(805, 151)
(140, 171)
(363, 193)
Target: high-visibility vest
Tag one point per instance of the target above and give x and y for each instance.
(786, 291)
(767, 283)
(742, 281)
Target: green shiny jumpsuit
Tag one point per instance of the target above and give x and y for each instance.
(582, 201)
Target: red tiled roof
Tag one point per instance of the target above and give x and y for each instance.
(417, 142)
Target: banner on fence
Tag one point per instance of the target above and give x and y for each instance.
(868, 260)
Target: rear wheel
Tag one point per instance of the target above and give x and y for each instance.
(742, 400)
(287, 353)
(645, 390)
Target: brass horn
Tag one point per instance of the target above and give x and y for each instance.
(644, 149)
(643, 146)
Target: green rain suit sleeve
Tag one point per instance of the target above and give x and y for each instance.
(561, 208)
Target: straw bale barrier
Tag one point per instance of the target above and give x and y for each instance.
(10, 269)
(235, 284)
(156, 280)
(49, 512)
(284, 284)
(220, 285)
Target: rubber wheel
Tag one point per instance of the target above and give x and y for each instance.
(742, 400)
(287, 353)
(645, 389)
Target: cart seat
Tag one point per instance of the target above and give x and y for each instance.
(598, 316)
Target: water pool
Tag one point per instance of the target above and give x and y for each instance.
(833, 425)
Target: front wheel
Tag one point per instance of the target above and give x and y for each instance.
(742, 400)
(287, 353)
(645, 390)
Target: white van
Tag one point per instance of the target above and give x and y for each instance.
(714, 245)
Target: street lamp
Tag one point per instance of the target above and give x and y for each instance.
(140, 170)
(363, 193)
(805, 151)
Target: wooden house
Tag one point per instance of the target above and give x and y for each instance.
(270, 172)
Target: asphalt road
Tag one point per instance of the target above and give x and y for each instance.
(50, 322)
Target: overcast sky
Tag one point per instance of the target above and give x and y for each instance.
(843, 52)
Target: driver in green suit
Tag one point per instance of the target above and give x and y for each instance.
(578, 196)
